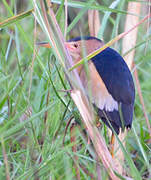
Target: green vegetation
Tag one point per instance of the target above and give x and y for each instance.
(35, 108)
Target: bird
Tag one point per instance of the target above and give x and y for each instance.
(110, 80)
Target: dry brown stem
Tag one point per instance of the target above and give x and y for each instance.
(94, 22)
(129, 41)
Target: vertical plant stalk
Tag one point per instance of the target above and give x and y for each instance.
(5, 160)
(46, 113)
(94, 22)
(129, 41)
(66, 19)
(118, 153)
(9, 105)
(142, 101)
(73, 134)
(33, 59)
(45, 123)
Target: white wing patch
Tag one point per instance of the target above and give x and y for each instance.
(100, 95)
(104, 101)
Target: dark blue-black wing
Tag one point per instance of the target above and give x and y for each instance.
(115, 75)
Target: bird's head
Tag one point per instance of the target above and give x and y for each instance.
(83, 45)
(80, 45)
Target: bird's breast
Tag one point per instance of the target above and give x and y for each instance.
(95, 86)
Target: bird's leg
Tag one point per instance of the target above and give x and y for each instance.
(112, 145)
(98, 123)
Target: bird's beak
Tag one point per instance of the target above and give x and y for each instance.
(47, 45)
(44, 44)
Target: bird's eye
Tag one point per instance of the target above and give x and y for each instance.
(75, 45)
